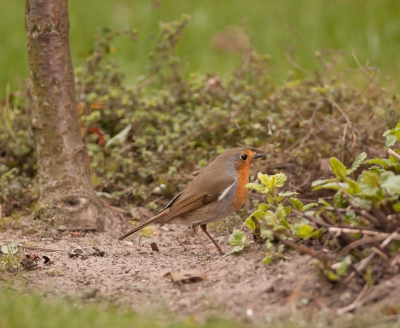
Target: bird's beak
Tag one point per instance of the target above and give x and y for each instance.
(259, 156)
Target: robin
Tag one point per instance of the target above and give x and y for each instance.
(215, 193)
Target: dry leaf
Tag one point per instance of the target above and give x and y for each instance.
(29, 262)
(186, 276)
(97, 105)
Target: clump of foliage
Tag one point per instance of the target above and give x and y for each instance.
(9, 260)
(358, 227)
(145, 140)
(15, 191)
(274, 219)
(238, 241)
(364, 215)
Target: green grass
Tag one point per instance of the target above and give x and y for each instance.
(35, 311)
(371, 28)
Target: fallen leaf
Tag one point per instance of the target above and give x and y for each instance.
(97, 105)
(85, 252)
(186, 276)
(9, 249)
(80, 108)
(154, 247)
(29, 262)
(100, 134)
(47, 260)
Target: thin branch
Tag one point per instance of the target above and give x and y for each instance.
(371, 78)
(393, 153)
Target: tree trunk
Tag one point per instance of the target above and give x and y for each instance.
(66, 192)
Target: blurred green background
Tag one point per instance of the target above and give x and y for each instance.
(370, 27)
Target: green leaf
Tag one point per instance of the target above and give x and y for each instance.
(396, 207)
(271, 219)
(339, 200)
(257, 187)
(10, 249)
(263, 207)
(357, 162)
(258, 215)
(332, 185)
(267, 234)
(320, 182)
(386, 133)
(267, 259)
(354, 187)
(268, 245)
(237, 238)
(391, 183)
(237, 249)
(338, 169)
(250, 223)
(120, 136)
(281, 249)
(281, 215)
(308, 206)
(297, 204)
(316, 233)
(264, 178)
(379, 161)
(331, 275)
(344, 265)
(280, 180)
(288, 210)
(390, 140)
(302, 230)
(323, 202)
(287, 193)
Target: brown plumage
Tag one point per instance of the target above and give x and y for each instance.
(216, 192)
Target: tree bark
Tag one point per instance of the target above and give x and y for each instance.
(66, 192)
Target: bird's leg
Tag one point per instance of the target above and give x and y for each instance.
(195, 226)
(204, 228)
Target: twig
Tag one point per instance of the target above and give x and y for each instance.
(369, 217)
(295, 65)
(393, 261)
(292, 297)
(180, 243)
(40, 248)
(360, 303)
(393, 153)
(380, 253)
(356, 303)
(83, 229)
(120, 210)
(360, 242)
(363, 263)
(365, 232)
(371, 78)
(347, 238)
(299, 248)
(341, 111)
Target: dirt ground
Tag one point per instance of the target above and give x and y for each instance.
(239, 287)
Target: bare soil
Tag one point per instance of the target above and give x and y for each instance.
(236, 286)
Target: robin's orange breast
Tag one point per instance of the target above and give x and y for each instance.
(241, 190)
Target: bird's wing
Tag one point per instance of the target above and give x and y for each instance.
(197, 194)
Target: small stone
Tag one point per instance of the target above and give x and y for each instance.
(61, 228)
(76, 252)
(90, 292)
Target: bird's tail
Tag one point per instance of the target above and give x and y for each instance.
(156, 218)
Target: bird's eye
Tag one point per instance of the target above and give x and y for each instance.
(243, 157)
